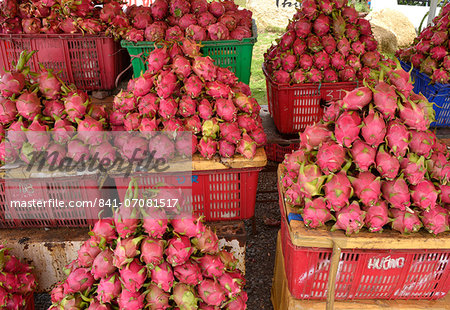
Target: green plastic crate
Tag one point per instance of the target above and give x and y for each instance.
(233, 54)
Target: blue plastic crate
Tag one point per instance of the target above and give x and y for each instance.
(437, 93)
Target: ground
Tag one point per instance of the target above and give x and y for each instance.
(257, 79)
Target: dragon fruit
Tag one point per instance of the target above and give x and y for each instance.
(413, 116)
(79, 280)
(424, 195)
(421, 143)
(337, 191)
(109, 288)
(75, 105)
(246, 146)
(374, 128)
(330, 157)
(28, 105)
(188, 273)
(8, 111)
(385, 99)
(310, 180)
(313, 136)
(436, 220)
(316, 213)
(162, 276)
(405, 222)
(386, 164)
(211, 292)
(178, 250)
(396, 192)
(157, 297)
(231, 285)
(357, 99)
(347, 128)
(103, 266)
(350, 219)
(363, 155)
(155, 224)
(367, 188)
(204, 67)
(133, 275)
(376, 216)
(131, 300)
(413, 168)
(207, 147)
(188, 227)
(397, 138)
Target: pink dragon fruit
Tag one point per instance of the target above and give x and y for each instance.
(133, 275)
(246, 146)
(183, 295)
(314, 135)
(385, 99)
(386, 164)
(289, 61)
(75, 105)
(79, 280)
(155, 223)
(166, 84)
(374, 128)
(159, 9)
(367, 188)
(302, 28)
(413, 116)
(231, 285)
(337, 191)
(207, 147)
(189, 227)
(396, 192)
(338, 61)
(226, 149)
(217, 90)
(347, 74)
(363, 155)
(8, 111)
(174, 33)
(103, 266)
(350, 219)
(310, 180)
(376, 216)
(28, 105)
(397, 138)
(87, 253)
(281, 77)
(157, 59)
(421, 143)
(218, 32)
(401, 80)
(405, 222)
(97, 112)
(157, 297)
(49, 84)
(109, 288)
(321, 25)
(204, 67)
(216, 8)
(162, 276)
(189, 273)
(316, 214)
(424, 195)
(152, 251)
(211, 292)
(436, 220)
(78, 151)
(331, 112)
(193, 86)
(211, 266)
(357, 99)
(321, 60)
(230, 132)
(131, 300)
(178, 250)
(125, 250)
(347, 128)
(413, 168)
(330, 157)
(330, 75)
(226, 110)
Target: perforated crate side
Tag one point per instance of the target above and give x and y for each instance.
(276, 152)
(216, 194)
(63, 189)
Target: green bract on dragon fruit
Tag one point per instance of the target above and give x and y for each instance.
(184, 91)
(326, 41)
(429, 51)
(151, 262)
(372, 162)
(17, 282)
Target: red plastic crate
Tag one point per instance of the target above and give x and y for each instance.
(218, 195)
(276, 152)
(365, 274)
(74, 188)
(293, 107)
(90, 62)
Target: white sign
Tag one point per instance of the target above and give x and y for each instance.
(386, 263)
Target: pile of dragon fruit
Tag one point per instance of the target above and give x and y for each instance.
(163, 20)
(31, 104)
(17, 281)
(184, 91)
(151, 263)
(372, 161)
(198, 20)
(429, 52)
(325, 42)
